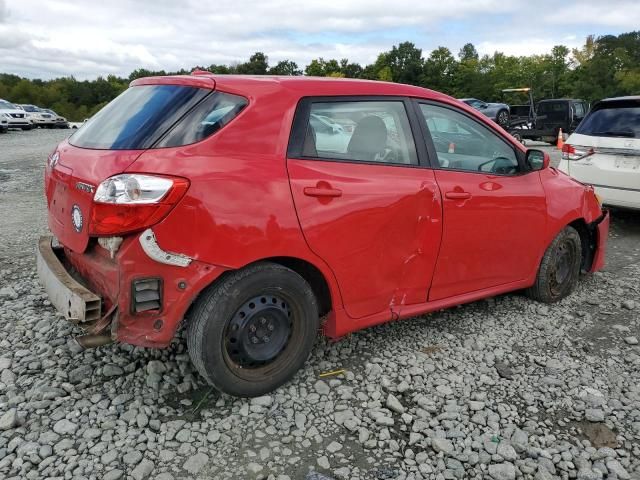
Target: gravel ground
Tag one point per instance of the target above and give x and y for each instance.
(502, 389)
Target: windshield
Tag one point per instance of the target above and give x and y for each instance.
(30, 108)
(613, 119)
(4, 105)
(138, 117)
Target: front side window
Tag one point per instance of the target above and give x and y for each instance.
(462, 143)
(360, 131)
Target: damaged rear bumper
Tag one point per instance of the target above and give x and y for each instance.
(101, 293)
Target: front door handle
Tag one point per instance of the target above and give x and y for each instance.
(457, 195)
(322, 192)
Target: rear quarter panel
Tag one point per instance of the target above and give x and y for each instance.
(239, 207)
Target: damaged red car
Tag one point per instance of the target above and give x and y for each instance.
(258, 210)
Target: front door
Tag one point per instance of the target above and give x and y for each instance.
(365, 204)
(494, 214)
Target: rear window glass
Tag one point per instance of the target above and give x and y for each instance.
(153, 116)
(613, 119)
(552, 107)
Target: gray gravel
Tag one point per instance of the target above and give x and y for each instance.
(499, 389)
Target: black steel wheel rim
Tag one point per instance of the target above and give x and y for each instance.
(562, 266)
(259, 331)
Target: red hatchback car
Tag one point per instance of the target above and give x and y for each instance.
(261, 209)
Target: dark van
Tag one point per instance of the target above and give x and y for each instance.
(560, 113)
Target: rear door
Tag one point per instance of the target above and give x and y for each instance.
(366, 204)
(494, 214)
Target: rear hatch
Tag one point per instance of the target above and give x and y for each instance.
(611, 134)
(109, 143)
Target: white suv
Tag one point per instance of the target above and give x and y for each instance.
(38, 117)
(604, 151)
(16, 118)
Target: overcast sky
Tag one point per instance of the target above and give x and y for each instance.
(50, 38)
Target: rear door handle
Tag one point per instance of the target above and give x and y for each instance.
(457, 195)
(322, 192)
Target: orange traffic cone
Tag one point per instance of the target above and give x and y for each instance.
(560, 140)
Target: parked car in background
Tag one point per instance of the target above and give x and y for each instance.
(498, 112)
(59, 121)
(16, 117)
(188, 194)
(558, 113)
(76, 125)
(38, 117)
(604, 151)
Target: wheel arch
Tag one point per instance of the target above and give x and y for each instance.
(312, 274)
(587, 241)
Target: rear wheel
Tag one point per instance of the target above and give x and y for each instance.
(252, 331)
(559, 269)
(502, 118)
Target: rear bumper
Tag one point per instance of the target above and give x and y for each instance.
(619, 197)
(602, 238)
(110, 281)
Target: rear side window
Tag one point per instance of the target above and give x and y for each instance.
(209, 116)
(153, 116)
(360, 131)
(613, 119)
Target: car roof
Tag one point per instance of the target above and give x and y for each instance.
(614, 99)
(561, 100)
(260, 85)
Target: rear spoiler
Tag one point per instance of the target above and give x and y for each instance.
(198, 81)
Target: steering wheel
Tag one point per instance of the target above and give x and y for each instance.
(389, 155)
(501, 165)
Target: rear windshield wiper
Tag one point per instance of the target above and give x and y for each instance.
(616, 133)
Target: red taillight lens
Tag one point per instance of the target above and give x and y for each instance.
(571, 152)
(120, 207)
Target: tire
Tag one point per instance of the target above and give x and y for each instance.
(502, 118)
(517, 136)
(559, 269)
(226, 327)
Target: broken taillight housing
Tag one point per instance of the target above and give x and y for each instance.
(130, 202)
(571, 152)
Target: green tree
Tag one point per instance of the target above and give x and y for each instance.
(257, 65)
(439, 70)
(285, 67)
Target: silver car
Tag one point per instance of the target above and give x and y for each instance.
(498, 112)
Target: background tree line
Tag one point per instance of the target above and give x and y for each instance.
(605, 66)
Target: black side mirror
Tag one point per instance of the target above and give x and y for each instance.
(537, 159)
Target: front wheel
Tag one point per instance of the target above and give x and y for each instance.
(253, 330)
(559, 269)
